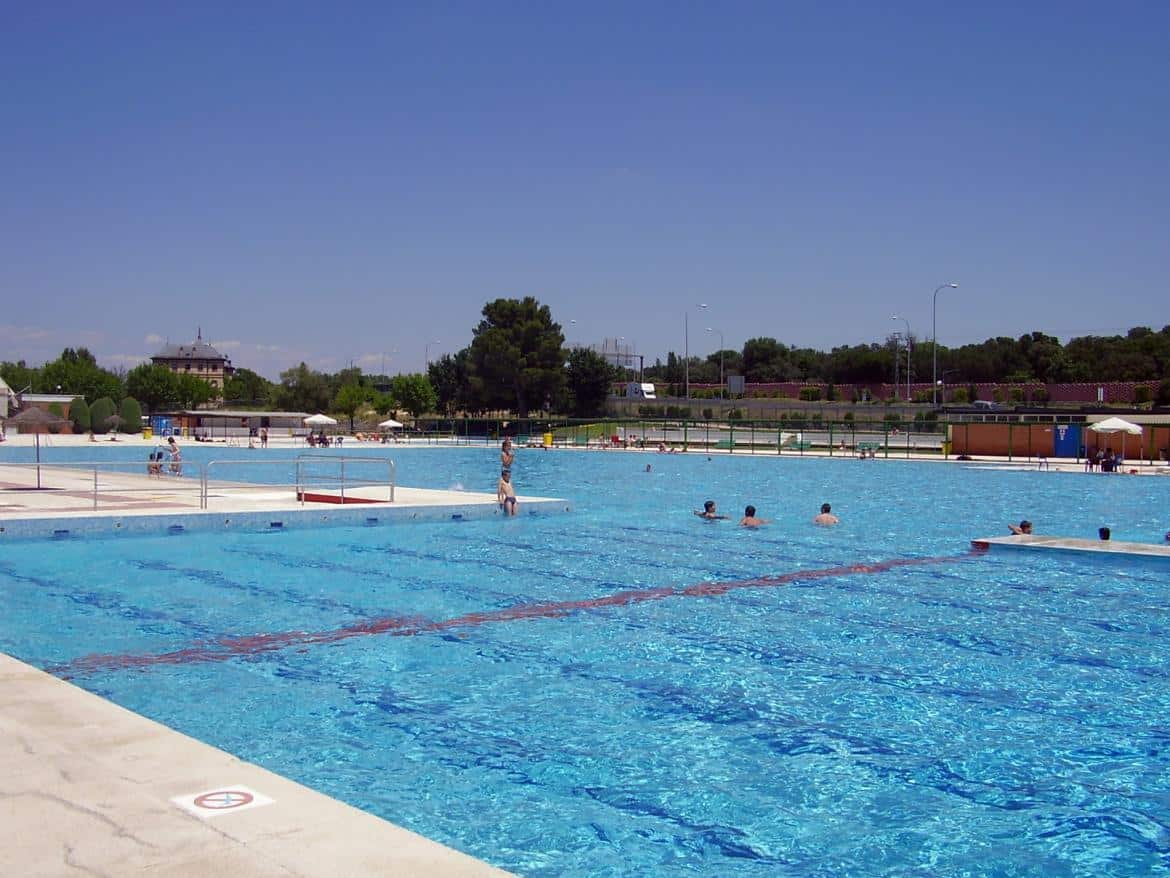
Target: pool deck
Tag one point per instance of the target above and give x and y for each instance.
(1038, 542)
(89, 788)
(125, 503)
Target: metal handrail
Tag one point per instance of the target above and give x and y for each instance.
(127, 467)
(341, 459)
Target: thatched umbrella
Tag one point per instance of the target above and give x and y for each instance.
(35, 417)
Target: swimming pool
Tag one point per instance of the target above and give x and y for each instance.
(628, 690)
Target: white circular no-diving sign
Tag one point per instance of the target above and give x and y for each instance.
(221, 800)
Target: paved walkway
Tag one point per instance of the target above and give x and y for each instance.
(88, 788)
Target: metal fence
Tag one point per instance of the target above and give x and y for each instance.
(194, 482)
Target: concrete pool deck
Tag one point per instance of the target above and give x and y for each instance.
(80, 500)
(1038, 542)
(91, 788)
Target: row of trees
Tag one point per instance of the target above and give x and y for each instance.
(157, 388)
(1140, 355)
(517, 362)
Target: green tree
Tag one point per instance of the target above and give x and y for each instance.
(415, 394)
(350, 375)
(350, 398)
(764, 360)
(303, 390)
(383, 403)
(100, 413)
(157, 387)
(131, 416)
(245, 387)
(448, 377)
(76, 372)
(19, 376)
(588, 378)
(516, 356)
(194, 392)
(79, 414)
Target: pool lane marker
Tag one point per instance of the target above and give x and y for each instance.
(230, 799)
(407, 626)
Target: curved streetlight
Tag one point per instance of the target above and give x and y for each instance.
(934, 342)
(907, 322)
(720, 333)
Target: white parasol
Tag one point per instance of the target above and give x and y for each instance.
(1117, 425)
(319, 420)
(390, 424)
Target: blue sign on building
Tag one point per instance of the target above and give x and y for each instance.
(1066, 440)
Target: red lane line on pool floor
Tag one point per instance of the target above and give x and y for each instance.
(399, 626)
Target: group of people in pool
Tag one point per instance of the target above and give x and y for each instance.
(709, 512)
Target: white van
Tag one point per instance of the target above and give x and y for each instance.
(636, 390)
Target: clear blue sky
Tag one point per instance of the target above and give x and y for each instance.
(345, 181)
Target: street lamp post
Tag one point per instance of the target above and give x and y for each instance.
(907, 322)
(934, 342)
(687, 350)
(720, 332)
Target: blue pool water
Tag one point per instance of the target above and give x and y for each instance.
(478, 682)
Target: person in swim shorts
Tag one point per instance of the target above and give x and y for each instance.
(506, 493)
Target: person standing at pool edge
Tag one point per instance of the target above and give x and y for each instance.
(176, 456)
(506, 493)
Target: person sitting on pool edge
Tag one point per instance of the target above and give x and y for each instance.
(709, 512)
(826, 516)
(506, 493)
(1024, 527)
(1104, 533)
(749, 518)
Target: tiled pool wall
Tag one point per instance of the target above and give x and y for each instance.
(155, 524)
